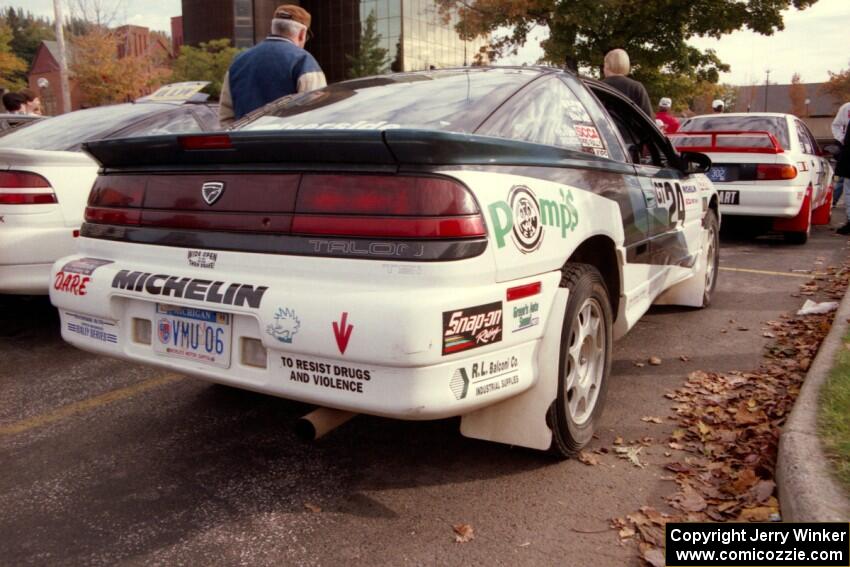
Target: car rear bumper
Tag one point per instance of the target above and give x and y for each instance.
(26, 255)
(392, 364)
(759, 199)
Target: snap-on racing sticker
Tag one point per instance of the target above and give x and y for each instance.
(84, 266)
(92, 327)
(472, 327)
(523, 216)
(525, 315)
(202, 258)
(483, 377)
(347, 378)
(286, 325)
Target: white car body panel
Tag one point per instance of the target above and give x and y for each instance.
(35, 236)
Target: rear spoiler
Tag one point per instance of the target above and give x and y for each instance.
(737, 141)
(326, 149)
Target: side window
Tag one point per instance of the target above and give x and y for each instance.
(805, 140)
(547, 113)
(643, 143)
(169, 123)
(815, 146)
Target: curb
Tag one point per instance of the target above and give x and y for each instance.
(807, 490)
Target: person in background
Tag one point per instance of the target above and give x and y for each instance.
(14, 103)
(615, 68)
(839, 131)
(274, 68)
(718, 105)
(671, 125)
(33, 102)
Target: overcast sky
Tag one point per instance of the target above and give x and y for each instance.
(814, 41)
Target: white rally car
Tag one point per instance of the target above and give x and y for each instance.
(462, 242)
(765, 165)
(45, 178)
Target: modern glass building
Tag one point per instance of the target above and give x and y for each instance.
(412, 31)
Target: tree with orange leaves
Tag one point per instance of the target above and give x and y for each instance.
(104, 78)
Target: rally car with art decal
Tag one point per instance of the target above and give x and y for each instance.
(767, 166)
(463, 242)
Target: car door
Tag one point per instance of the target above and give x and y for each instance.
(673, 200)
(817, 164)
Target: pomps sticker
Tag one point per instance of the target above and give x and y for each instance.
(523, 216)
(472, 327)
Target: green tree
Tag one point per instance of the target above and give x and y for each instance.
(12, 68)
(653, 32)
(207, 62)
(371, 58)
(27, 32)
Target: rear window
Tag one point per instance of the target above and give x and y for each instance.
(453, 100)
(67, 132)
(776, 125)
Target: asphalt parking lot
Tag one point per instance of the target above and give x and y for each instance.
(108, 463)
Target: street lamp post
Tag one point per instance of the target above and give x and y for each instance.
(63, 59)
(766, 85)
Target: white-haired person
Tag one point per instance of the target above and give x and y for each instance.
(718, 106)
(274, 68)
(615, 68)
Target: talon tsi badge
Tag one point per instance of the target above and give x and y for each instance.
(212, 191)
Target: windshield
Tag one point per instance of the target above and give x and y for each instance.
(67, 132)
(776, 125)
(456, 100)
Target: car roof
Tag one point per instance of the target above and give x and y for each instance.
(738, 114)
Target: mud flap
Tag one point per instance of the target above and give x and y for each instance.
(822, 214)
(799, 223)
(521, 420)
(690, 292)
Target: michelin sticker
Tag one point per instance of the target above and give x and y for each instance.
(483, 377)
(286, 325)
(523, 216)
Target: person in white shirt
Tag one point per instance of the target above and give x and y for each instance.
(839, 132)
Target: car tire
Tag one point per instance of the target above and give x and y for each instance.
(711, 226)
(585, 360)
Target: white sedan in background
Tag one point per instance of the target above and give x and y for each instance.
(764, 165)
(45, 180)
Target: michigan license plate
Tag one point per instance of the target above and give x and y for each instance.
(717, 173)
(193, 334)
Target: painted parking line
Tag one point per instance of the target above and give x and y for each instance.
(769, 273)
(86, 405)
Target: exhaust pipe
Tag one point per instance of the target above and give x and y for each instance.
(319, 422)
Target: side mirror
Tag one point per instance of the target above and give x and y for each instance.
(694, 162)
(832, 150)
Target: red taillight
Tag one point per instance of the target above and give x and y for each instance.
(383, 195)
(206, 142)
(117, 191)
(775, 172)
(113, 216)
(25, 188)
(366, 206)
(522, 291)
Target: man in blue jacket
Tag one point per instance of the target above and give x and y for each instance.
(274, 68)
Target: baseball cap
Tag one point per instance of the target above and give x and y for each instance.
(293, 12)
(665, 102)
